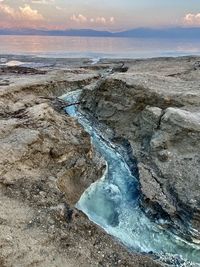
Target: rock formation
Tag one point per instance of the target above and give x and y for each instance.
(155, 105)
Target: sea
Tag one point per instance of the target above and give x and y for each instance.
(97, 47)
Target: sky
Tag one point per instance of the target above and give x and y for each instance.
(112, 15)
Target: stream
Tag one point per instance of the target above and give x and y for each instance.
(112, 203)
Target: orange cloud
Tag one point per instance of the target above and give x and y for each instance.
(192, 19)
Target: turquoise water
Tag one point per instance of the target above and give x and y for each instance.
(112, 203)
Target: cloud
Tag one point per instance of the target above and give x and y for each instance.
(97, 20)
(7, 10)
(30, 14)
(192, 19)
(22, 13)
(44, 2)
(112, 20)
(59, 8)
(79, 18)
(100, 20)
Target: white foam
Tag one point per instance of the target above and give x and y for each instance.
(95, 60)
(14, 63)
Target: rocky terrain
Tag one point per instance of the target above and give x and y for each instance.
(47, 161)
(155, 105)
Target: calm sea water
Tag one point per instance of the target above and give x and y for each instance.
(53, 46)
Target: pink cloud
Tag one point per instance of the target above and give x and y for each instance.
(23, 16)
(7, 10)
(192, 19)
(30, 14)
(22, 13)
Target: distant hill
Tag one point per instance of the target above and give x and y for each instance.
(161, 33)
(178, 32)
(81, 32)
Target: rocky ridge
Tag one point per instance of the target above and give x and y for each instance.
(155, 106)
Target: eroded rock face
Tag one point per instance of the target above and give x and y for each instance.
(42, 144)
(37, 142)
(157, 110)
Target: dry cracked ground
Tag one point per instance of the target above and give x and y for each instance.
(47, 160)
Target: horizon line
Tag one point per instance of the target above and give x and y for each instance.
(142, 32)
(102, 30)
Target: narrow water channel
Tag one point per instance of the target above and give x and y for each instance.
(112, 203)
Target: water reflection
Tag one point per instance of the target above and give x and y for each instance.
(64, 46)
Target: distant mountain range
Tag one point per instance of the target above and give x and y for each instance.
(178, 32)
